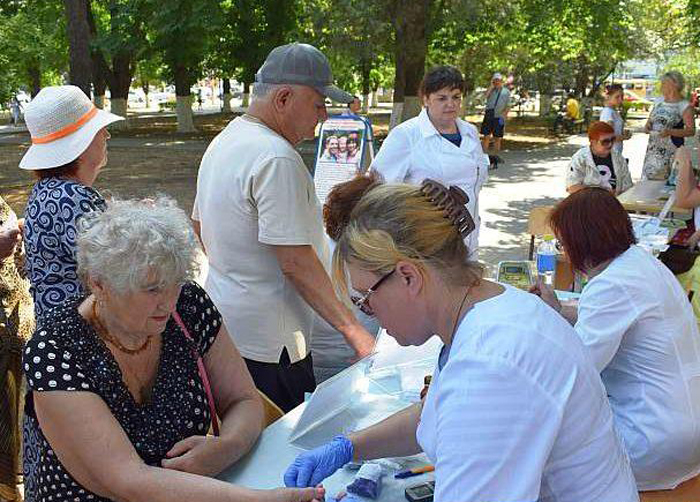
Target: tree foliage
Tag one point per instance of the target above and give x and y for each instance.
(356, 35)
(119, 40)
(544, 44)
(180, 30)
(249, 30)
(33, 47)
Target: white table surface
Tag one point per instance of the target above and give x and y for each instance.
(649, 196)
(265, 464)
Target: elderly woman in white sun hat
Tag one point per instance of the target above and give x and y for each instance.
(69, 147)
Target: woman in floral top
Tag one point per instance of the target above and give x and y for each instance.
(670, 121)
(69, 148)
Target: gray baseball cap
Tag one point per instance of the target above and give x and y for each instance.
(301, 64)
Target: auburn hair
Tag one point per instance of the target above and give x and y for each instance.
(593, 227)
(598, 128)
(342, 199)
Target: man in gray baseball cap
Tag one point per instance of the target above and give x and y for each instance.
(260, 222)
(301, 64)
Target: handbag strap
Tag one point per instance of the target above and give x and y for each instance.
(202, 373)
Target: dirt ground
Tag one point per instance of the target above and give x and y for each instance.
(151, 158)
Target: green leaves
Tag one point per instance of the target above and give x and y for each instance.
(545, 44)
(33, 47)
(180, 31)
(249, 30)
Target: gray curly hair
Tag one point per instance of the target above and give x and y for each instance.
(137, 243)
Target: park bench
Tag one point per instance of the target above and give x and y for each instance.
(562, 125)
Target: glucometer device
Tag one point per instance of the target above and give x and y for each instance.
(515, 273)
(421, 493)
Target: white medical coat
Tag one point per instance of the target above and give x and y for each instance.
(641, 333)
(415, 150)
(518, 412)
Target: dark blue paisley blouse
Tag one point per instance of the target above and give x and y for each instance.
(50, 232)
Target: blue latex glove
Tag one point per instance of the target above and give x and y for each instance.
(501, 121)
(312, 467)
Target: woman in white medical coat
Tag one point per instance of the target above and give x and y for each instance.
(438, 145)
(640, 331)
(515, 410)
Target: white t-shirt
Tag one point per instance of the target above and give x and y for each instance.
(254, 192)
(641, 333)
(518, 412)
(609, 114)
(415, 150)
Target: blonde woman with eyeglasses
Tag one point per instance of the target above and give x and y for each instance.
(515, 409)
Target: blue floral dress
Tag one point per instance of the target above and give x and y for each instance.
(50, 232)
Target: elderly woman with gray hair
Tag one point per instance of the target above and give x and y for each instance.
(123, 381)
(670, 121)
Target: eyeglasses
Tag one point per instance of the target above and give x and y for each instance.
(362, 302)
(607, 141)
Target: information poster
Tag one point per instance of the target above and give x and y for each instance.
(340, 151)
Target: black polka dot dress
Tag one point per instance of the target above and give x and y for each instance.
(66, 354)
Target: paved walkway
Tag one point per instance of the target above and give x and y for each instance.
(529, 179)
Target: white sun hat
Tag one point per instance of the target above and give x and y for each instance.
(62, 122)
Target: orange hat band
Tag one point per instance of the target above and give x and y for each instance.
(65, 131)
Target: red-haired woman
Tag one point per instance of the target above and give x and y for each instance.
(641, 333)
(598, 164)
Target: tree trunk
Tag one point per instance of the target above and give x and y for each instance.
(396, 114)
(185, 118)
(119, 85)
(34, 74)
(226, 95)
(366, 85)
(99, 84)
(99, 66)
(183, 107)
(399, 87)
(99, 98)
(375, 99)
(598, 82)
(118, 106)
(410, 27)
(411, 107)
(145, 87)
(246, 94)
(78, 33)
(545, 104)
(468, 101)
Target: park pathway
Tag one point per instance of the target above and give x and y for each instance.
(143, 166)
(531, 178)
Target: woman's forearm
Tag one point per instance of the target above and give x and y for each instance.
(687, 194)
(681, 133)
(393, 437)
(241, 426)
(155, 484)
